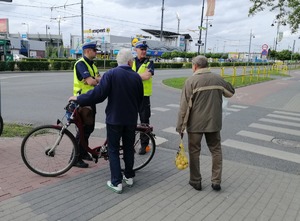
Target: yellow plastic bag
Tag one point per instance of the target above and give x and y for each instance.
(181, 160)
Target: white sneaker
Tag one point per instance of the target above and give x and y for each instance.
(128, 181)
(117, 189)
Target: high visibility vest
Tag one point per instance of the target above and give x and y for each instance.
(146, 83)
(80, 84)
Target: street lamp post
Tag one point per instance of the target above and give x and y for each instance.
(47, 27)
(277, 31)
(251, 36)
(162, 20)
(200, 29)
(178, 19)
(206, 31)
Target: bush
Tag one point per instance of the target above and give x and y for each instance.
(113, 64)
(65, 65)
(56, 65)
(2, 66)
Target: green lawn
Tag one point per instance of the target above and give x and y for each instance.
(237, 81)
(15, 130)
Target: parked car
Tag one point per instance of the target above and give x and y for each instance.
(178, 59)
(19, 57)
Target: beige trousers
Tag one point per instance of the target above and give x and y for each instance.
(213, 141)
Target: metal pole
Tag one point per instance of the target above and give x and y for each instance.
(200, 29)
(82, 36)
(162, 20)
(206, 35)
(250, 45)
(0, 97)
(276, 41)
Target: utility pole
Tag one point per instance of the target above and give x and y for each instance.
(200, 29)
(162, 20)
(82, 36)
(250, 41)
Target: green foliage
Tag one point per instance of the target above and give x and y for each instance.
(113, 64)
(296, 56)
(287, 11)
(15, 130)
(2, 65)
(191, 54)
(65, 65)
(166, 55)
(56, 65)
(103, 63)
(168, 65)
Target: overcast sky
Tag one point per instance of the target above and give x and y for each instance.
(230, 31)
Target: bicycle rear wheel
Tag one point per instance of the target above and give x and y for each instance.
(1, 125)
(37, 144)
(141, 161)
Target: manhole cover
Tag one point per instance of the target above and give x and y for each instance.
(288, 143)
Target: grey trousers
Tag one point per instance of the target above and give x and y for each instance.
(213, 141)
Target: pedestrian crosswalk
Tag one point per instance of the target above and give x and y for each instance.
(264, 129)
(279, 123)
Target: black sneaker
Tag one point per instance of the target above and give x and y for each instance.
(87, 157)
(81, 164)
(216, 187)
(142, 151)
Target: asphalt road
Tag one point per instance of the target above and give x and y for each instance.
(261, 127)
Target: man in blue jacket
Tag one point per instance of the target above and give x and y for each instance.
(123, 88)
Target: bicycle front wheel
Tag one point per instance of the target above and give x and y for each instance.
(37, 155)
(140, 161)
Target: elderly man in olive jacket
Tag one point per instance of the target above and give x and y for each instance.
(200, 114)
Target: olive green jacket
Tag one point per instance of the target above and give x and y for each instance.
(201, 102)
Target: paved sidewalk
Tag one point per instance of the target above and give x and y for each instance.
(160, 192)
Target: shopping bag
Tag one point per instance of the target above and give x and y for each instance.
(181, 160)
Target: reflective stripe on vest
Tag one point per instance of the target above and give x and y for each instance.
(146, 83)
(80, 84)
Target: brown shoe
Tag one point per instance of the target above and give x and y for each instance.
(216, 187)
(197, 186)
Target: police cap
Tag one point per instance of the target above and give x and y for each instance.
(91, 44)
(141, 44)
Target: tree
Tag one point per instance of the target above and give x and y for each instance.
(288, 11)
(284, 55)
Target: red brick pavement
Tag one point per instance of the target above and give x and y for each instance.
(16, 178)
(253, 94)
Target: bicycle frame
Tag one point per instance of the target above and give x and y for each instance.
(98, 151)
(77, 120)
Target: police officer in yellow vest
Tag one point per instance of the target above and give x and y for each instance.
(86, 77)
(143, 66)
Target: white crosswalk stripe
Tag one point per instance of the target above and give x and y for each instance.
(172, 105)
(160, 140)
(283, 117)
(275, 129)
(99, 125)
(160, 109)
(287, 113)
(254, 135)
(278, 126)
(280, 122)
(232, 109)
(239, 106)
(171, 130)
(262, 150)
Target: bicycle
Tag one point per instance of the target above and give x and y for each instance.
(1, 125)
(52, 150)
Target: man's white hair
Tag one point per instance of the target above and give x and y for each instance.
(124, 56)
